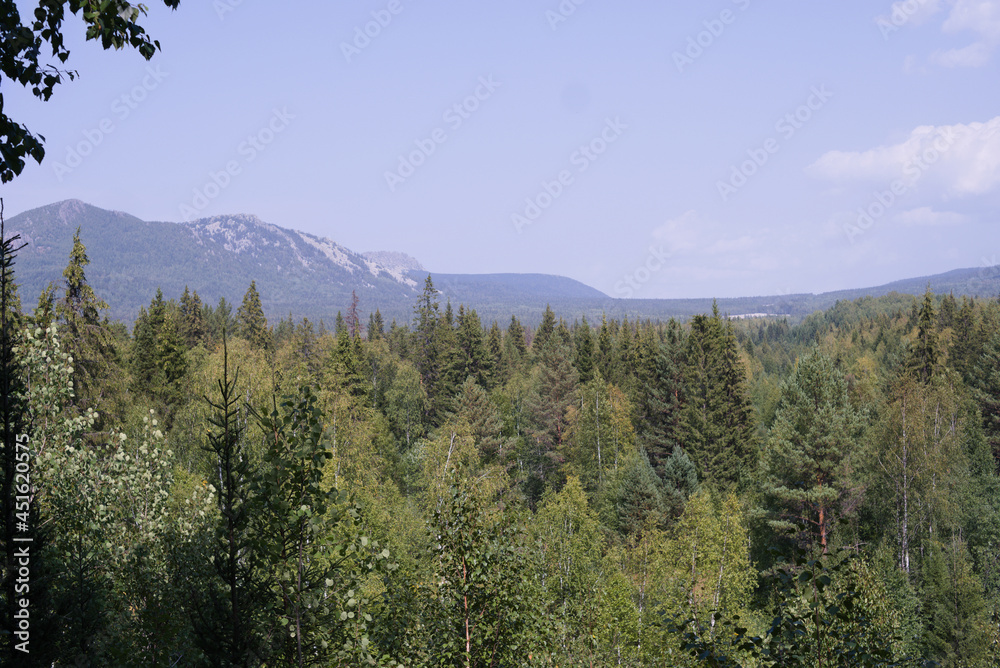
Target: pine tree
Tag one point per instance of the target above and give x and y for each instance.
(812, 437)
(251, 322)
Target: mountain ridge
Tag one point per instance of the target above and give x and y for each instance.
(305, 275)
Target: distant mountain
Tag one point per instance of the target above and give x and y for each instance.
(311, 276)
(296, 272)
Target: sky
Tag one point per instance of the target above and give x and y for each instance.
(649, 149)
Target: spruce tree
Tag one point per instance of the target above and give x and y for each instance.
(475, 359)
(924, 352)
(584, 360)
(639, 502)
(680, 480)
(192, 326)
(545, 330)
(251, 323)
(717, 427)
(88, 338)
(662, 400)
(376, 326)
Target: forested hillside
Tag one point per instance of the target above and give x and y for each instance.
(211, 488)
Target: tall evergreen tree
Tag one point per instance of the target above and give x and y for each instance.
(192, 326)
(584, 360)
(376, 326)
(88, 338)
(662, 399)
(812, 438)
(924, 353)
(717, 427)
(251, 321)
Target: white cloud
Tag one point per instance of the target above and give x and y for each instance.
(925, 216)
(981, 17)
(953, 160)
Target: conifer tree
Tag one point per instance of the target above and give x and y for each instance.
(812, 437)
(717, 424)
(662, 400)
(953, 607)
(353, 318)
(924, 352)
(376, 326)
(584, 360)
(192, 326)
(605, 349)
(251, 321)
(426, 314)
(680, 480)
(985, 377)
(474, 358)
(545, 330)
(639, 504)
(86, 333)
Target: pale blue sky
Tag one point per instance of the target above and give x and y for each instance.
(329, 125)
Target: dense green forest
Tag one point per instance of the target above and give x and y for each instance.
(213, 489)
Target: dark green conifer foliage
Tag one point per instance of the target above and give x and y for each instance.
(966, 341)
(230, 605)
(85, 333)
(553, 389)
(483, 417)
(475, 359)
(219, 320)
(376, 327)
(192, 325)
(584, 360)
(985, 377)
(605, 349)
(953, 607)
(639, 503)
(924, 353)
(661, 406)
(717, 427)
(146, 368)
(680, 481)
(545, 330)
(494, 356)
(426, 315)
(345, 368)
(252, 325)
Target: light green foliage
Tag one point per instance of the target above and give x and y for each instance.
(309, 537)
